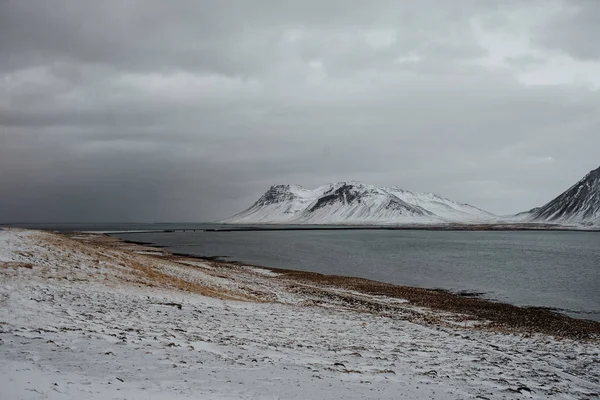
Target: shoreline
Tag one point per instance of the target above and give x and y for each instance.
(229, 227)
(84, 315)
(494, 227)
(497, 315)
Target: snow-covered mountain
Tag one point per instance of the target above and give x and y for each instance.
(355, 203)
(579, 205)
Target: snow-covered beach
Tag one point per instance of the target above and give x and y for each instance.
(87, 316)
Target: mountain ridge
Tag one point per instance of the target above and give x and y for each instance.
(352, 202)
(580, 204)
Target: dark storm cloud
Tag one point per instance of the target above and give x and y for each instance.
(188, 110)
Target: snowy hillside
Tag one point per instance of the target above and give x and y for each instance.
(280, 204)
(447, 209)
(579, 205)
(355, 203)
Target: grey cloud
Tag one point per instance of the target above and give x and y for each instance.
(233, 38)
(574, 31)
(161, 111)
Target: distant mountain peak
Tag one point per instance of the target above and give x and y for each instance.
(580, 204)
(276, 193)
(354, 202)
(594, 174)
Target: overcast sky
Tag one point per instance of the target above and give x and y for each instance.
(153, 110)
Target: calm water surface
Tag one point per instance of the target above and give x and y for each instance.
(550, 269)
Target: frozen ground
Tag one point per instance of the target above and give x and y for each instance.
(81, 320)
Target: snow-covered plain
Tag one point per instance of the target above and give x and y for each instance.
(81, 320)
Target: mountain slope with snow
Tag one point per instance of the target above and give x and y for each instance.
(579, 205)
(449, 210)
(280, 204)
(355, 203)
(359, 203)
